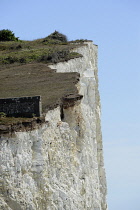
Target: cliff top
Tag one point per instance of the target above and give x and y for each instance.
(51, 49)
(24, 70)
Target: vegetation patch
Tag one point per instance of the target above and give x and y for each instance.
(7, 35)
(56, 37)
(52, 49)
(24, 70)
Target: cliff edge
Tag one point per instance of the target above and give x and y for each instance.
(59, 164)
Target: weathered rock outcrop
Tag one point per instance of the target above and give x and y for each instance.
(60, 164)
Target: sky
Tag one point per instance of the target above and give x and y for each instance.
(115, 27)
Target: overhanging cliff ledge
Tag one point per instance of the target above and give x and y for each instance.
(59, 163)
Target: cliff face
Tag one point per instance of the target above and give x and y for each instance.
(60, 164)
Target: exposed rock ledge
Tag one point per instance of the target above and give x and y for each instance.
(28, 124)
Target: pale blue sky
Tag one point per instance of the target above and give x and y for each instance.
(115, 27)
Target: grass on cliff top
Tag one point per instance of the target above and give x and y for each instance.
(48, 51)
(24, 70)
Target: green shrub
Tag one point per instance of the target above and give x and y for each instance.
(58, 37)
(7, 35)
(55, 57)
(2, 115)
(10, 59)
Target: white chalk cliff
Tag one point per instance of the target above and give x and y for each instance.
(59, 166)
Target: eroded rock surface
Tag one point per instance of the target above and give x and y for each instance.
(60, 164)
